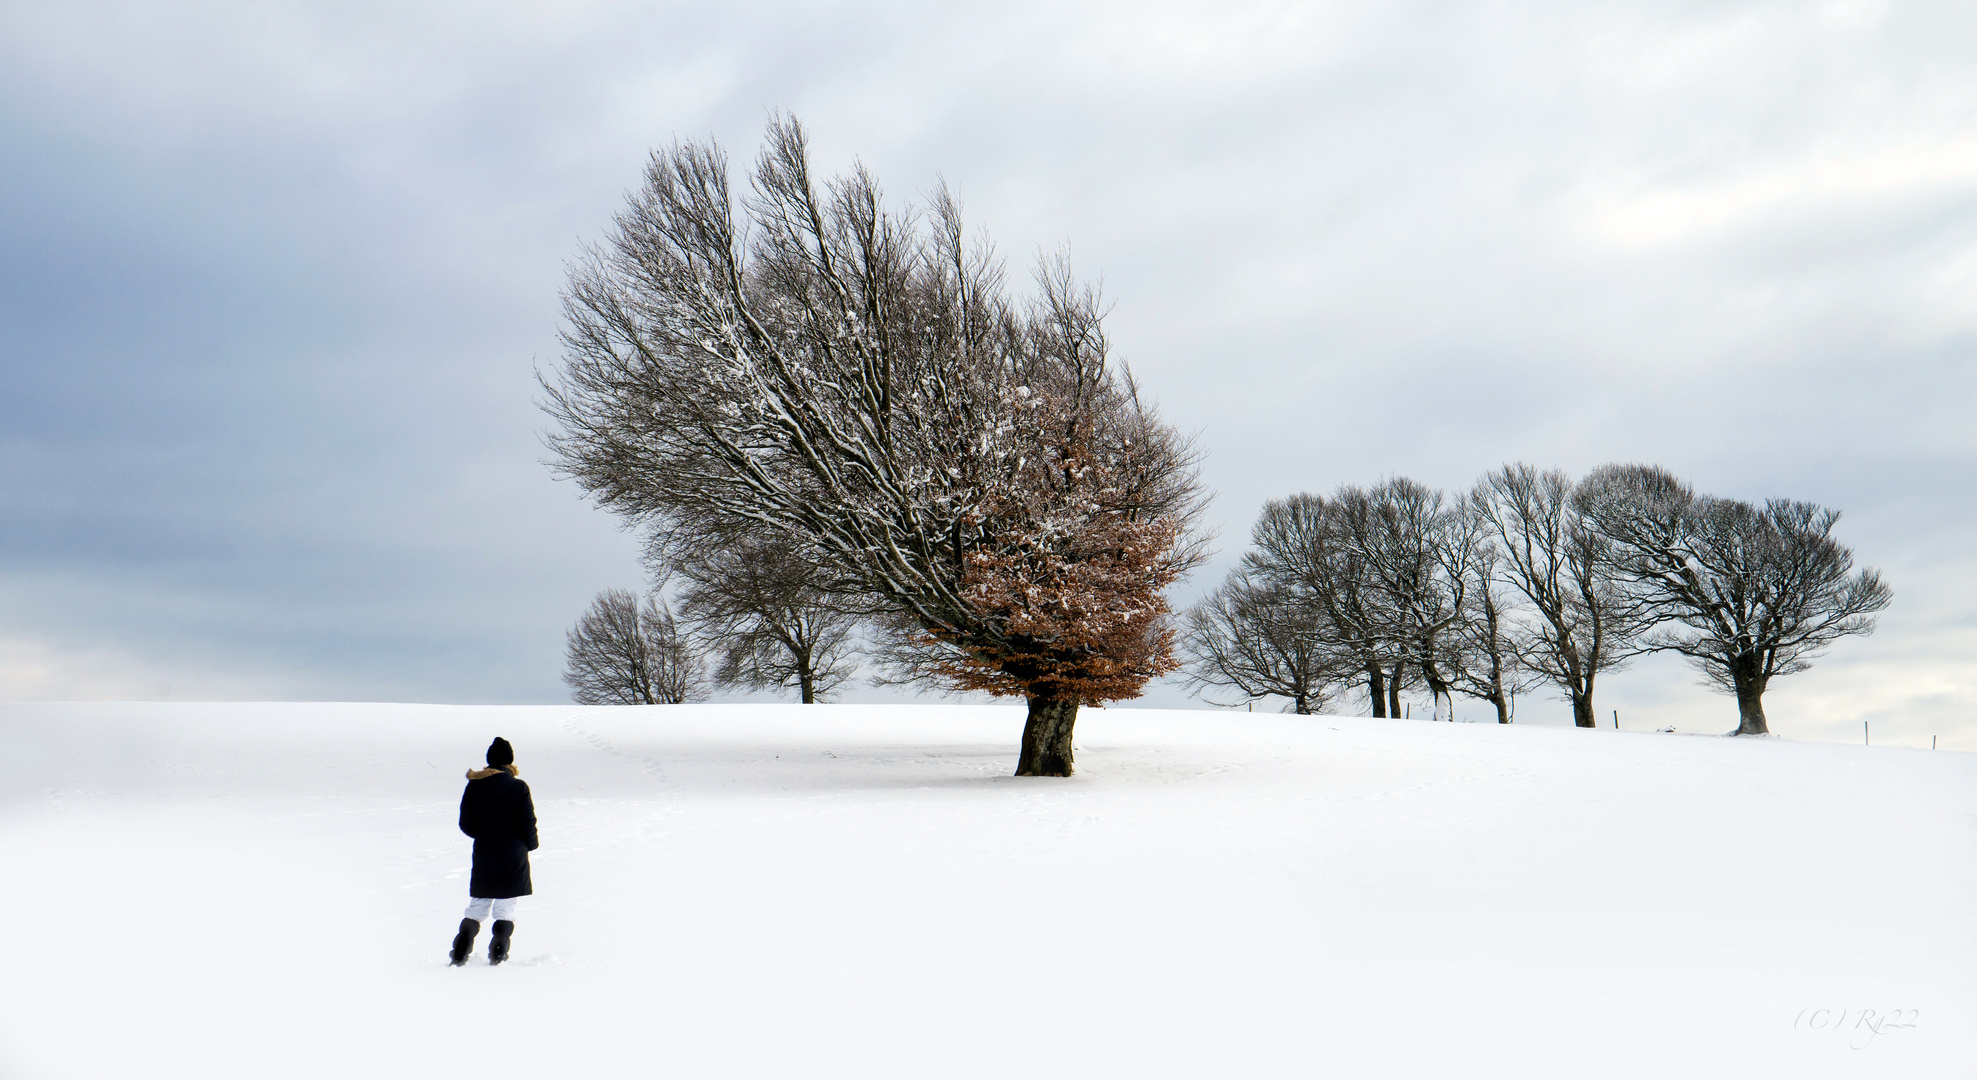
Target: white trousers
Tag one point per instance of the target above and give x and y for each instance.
(480, 908)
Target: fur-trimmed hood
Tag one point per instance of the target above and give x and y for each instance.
(482, 774)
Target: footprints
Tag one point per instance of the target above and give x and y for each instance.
(650, 765)
(660, 795)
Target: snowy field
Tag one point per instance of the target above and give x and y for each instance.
(268, 891)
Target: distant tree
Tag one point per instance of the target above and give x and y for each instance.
(1258, 636)
(1746, 593)
(1301, 545)
(1487, 661)
(1414, 552)
(622, 652)
(1391, 584)
(1581, 622)
(1379, 574)
(759, 609)
(857, 381)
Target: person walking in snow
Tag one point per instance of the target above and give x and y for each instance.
(497, 812)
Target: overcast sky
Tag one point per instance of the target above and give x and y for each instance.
(275, 280)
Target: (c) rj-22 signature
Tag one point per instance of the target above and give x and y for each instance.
(1862, 1025)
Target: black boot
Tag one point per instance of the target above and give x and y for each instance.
(463, 942)
(497, 946)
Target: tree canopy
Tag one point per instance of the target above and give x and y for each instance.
(802, 361)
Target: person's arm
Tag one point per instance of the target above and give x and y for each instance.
(467, 823)
(527, 821)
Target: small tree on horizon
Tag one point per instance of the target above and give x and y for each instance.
(622, 652)
(1301, 544)
(1254, 634)
(758, 608)
(1414, 556)
(1488, 659)
(1580, 623)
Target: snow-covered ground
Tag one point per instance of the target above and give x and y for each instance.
(268, 891)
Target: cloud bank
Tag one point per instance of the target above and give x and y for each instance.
(274, 285)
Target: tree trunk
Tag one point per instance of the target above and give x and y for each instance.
(1439, 692)
(807, 679)
(1047, 738)
(1376, 688)
(1582, 710)
(1750, 706)
(1497, 697)
(1393, 691)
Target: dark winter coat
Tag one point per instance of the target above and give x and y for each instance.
(498, 813)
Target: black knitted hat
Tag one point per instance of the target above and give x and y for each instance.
(499, 753)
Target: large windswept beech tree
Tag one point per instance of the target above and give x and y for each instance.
(799, 359)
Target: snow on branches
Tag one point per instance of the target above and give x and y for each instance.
(855, 380)
(1073, 580)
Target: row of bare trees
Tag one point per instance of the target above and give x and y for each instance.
(1528, 580)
